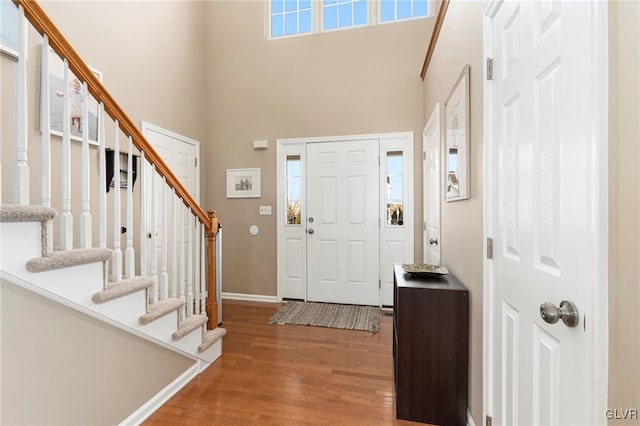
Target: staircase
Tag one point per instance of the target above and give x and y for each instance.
(157, 285)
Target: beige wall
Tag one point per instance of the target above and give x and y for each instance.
(461, 221)
(62, 367)
(346, 82)
(624, 206)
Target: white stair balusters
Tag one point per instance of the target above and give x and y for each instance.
(164, 276)
(45, 146)
(190, 263)
(203, 265)
(21, 166)
(116, 259)
(154, 241)
(102, 180)
(129, 253)
(196, 271)
(182, 274)
(66, 218)
(143, 215)
(85, 208)
(175, 204)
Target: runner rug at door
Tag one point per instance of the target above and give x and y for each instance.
(350, 317)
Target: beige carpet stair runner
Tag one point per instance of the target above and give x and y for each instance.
(122, 288)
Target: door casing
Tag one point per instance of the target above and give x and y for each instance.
(433, 125)
(390, 237)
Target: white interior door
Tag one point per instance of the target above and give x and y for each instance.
(343, 222)
(541, 209)
(182, 156)
(431, 185)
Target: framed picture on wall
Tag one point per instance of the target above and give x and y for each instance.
(75, 98)
(243, 183)
(9, 28)
(456, 177)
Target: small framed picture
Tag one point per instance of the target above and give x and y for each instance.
(243, 183)
(76, 100)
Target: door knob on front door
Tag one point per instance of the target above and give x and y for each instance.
(567, 312)
(433, 241)
(310, 230)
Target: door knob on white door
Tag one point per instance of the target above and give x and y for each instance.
(310, 231)
(567, 312)
(433, 241)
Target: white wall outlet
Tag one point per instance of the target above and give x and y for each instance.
(265, 210)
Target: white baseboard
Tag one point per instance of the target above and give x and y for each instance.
(249, 297)
(470, 418)
(149, 407)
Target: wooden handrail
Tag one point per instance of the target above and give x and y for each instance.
(41, 22)
(434, 37)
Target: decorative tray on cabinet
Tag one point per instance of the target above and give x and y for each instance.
(424, 269)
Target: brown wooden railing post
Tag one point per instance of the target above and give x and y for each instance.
(212, 303)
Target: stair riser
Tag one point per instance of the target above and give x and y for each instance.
(19, 242)
(190, 341)
(158, 328)
(126, 309)
(213, 352)
(76, 283)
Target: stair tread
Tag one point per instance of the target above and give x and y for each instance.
(68, 258)
(211, 337)
(19, 213)
(122, 288)
(188, 325)
(160, 309)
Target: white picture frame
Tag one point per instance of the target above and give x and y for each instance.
(243, 183)
(456, 153)
(56, 101)
(9, 29)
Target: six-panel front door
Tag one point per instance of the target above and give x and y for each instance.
(541, 205)
(342, 222)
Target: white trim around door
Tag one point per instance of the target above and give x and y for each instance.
(396, 230)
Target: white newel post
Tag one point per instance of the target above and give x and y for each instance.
(102, 176)
(85, 212)
(66, 218)
(116, 258)
(21, 182)
(164, 276)
(129, 253)
(45, 149)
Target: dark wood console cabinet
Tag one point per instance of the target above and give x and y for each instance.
(430, 348)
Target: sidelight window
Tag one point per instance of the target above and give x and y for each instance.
(394, 192)
(293, 190)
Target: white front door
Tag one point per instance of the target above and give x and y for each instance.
(431, 185)
(541, 210)
(343, 222)
(182, 156)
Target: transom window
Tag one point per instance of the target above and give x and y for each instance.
(394, 10)
(289, 17)
(343, 13)
(295, 17)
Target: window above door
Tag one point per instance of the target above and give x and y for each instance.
(286, 18)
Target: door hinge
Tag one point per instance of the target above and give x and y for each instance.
(195, 162)
(489, 248)
(424, 155)
(378, 160)
(489, 68)
(488, 421)
(424, 226)
(379, 283)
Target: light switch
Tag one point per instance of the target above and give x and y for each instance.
(265, 210)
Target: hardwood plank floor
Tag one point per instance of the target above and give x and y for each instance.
(288, 374)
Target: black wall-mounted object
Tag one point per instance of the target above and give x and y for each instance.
(109, 159)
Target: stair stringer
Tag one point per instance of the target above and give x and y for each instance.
(74, 286)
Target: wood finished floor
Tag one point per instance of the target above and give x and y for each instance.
(289, 375)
